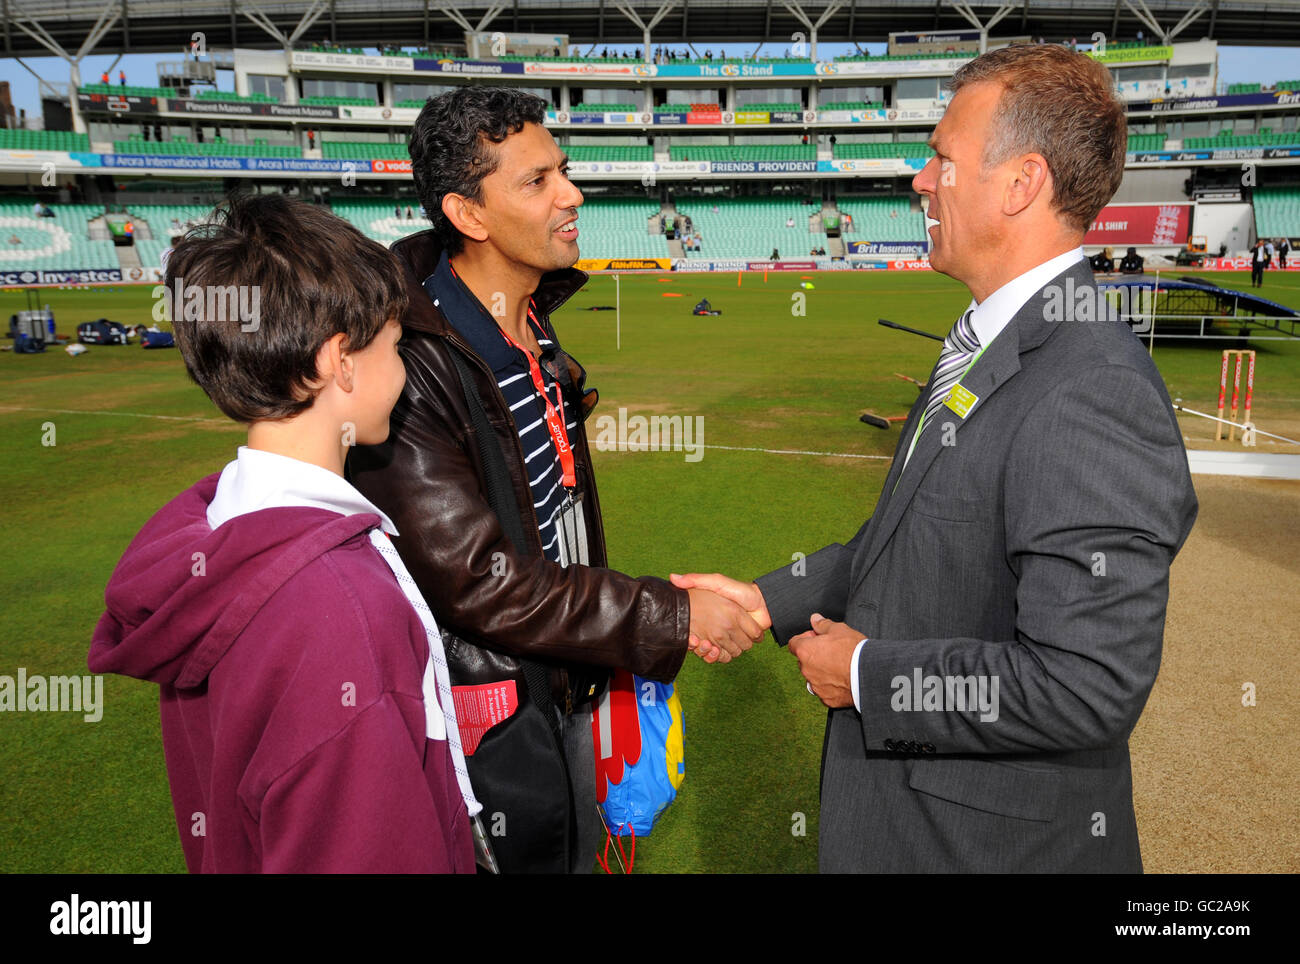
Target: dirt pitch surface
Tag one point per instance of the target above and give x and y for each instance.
(1216, 782)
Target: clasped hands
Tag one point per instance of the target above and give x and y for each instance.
(729, 616)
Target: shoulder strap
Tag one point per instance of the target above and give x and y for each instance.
(500, 493)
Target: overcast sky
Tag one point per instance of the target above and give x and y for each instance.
(1236, 65)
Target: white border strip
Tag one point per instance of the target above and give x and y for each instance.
(1257, 465)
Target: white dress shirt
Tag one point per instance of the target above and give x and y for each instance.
(987, 319)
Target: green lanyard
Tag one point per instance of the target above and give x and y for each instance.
(921, 424)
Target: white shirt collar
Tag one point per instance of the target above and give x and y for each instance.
(263, 480)
(996, 311)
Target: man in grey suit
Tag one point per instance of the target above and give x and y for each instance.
(987, 640)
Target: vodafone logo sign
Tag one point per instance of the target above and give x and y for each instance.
(390, 167)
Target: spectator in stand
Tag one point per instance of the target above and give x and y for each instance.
(103, 78)
(14, 239)
(1132, 263)
(789, 222)
(410, 215)
(397, 211)
(776, 255)
(1258, 259)
(1268, 250)
(121, 78)
(311, 140)
(1283, 248)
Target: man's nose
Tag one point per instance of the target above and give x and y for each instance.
(571, 197)
(924, 179)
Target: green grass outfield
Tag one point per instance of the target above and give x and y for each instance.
(78, 796)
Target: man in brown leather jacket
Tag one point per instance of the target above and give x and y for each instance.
(483, 283)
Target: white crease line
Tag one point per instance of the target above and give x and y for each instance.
(630, 447)
(78, 411)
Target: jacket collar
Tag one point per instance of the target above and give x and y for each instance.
(1026, 331)
(419, 255)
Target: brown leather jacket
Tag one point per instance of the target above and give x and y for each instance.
(429, 480)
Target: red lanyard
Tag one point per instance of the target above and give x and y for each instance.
(554, 418)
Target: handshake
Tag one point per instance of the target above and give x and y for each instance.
(727, 616)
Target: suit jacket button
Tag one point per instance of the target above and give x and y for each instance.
(929, 748)
(889, 745)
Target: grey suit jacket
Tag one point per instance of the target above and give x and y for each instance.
(1012, 584)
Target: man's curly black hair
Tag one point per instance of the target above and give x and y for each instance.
(451, 146)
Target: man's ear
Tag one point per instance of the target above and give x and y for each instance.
(1029, 178)
(464, 216)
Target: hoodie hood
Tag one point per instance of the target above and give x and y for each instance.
(183, 591)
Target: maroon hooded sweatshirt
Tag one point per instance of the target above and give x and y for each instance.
(290, 666)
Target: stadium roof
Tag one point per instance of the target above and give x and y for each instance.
(36, 27)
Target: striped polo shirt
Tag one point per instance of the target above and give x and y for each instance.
(509, 365)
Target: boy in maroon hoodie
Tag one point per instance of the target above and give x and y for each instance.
(301, 693)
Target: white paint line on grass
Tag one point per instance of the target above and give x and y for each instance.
(78, 411)
(222, 421)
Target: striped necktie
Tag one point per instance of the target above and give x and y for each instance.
(958, 349)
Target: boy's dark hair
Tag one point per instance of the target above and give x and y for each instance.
(274, 279)
(451, 146)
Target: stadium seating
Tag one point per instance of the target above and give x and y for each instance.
(603, 108)
(1277, 212)
(416, 102)
(751, 227)
(592, 152)
(228, 95)
(52, 244)
(607, 228)
(886, 57)
(616, 228)
(375, 218)
(128, 90)
(883, 149)
(775, 106)
(743, 152)
(218, 147)
(883, 219)
(338, 101)
(850, 105)
(362, 150)
(1146, 142)
(686, 108)
(1225, 139)
(1244, 88)
(25, 140)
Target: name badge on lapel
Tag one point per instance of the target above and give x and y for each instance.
(961, 400)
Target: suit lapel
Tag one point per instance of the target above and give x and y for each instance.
(993, 369)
